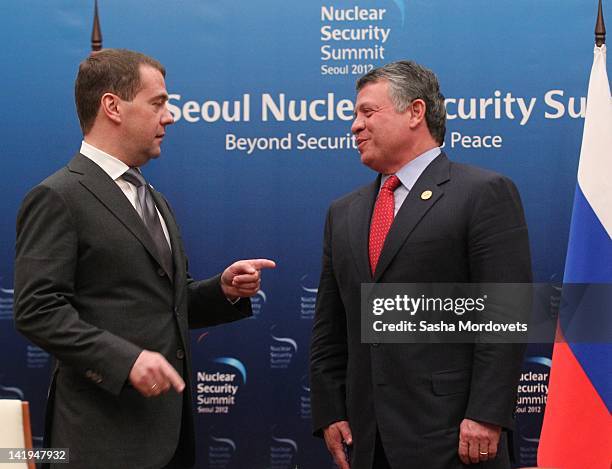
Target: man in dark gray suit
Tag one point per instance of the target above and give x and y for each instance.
(424, 219)
(101, 281)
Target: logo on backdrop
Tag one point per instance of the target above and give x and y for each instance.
(282, 452)
(282, 350)
(533, 386)
(354, 40)
(531, 402)
(36, 357)
(492, 107)
(220, 452)
(402, 9)
(202, 337)
(305, 409)
(11, 392)
(308, 299)
(257, 303)
(6, 304)
(217, 388)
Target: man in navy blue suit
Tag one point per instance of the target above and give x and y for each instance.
(423, 219)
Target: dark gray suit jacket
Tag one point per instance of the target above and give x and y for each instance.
(471, 230)
(90, 289)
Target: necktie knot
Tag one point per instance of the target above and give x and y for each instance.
(148, 214)
(133, 176)
(392, 183)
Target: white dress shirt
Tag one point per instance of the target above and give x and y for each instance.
(115, 169)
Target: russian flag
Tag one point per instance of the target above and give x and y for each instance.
(577, 429)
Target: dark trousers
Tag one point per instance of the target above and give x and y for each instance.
(178, 460)
(380, 459)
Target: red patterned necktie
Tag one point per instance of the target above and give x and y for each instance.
(382, 219)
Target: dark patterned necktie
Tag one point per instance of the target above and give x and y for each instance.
(382, 218)
(150, 217)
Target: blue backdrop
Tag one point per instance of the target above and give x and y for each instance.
(262, 96)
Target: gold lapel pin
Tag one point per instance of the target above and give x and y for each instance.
(426, 195)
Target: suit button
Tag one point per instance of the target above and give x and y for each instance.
(375, 344)
(180, 354)
(161, 272)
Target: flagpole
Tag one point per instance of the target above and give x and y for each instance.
(600, 28)
(96, 32)
(577, 427)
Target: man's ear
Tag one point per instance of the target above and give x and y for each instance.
(110, 106)
(417, 112)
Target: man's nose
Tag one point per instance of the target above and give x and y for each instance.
(357, 125)
(167, 118)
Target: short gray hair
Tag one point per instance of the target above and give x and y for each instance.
(409, 81)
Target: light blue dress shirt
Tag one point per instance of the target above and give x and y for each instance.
(409, 174)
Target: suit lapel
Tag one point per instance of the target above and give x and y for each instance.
(96, 181)
(177, 257)
(360, 213)
(414, 209)
(175, 242)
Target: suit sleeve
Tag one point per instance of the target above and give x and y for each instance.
(45, 264)
(328, 353)
(498, 253)
(208, 306)
(206, 303)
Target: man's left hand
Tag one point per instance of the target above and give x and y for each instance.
(243, 278)
(477, 441)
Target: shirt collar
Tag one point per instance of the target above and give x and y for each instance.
(111, 165)
(411, 171)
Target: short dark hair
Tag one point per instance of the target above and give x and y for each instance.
(409, 81)
(108, 71)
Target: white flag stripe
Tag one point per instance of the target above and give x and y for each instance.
(595, 168)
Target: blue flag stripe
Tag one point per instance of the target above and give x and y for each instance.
(589, 251)
(589, 260)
